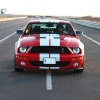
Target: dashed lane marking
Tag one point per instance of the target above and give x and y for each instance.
(7, 37)
(91, 39)
(49, 80)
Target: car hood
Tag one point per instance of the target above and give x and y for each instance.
(49, 40)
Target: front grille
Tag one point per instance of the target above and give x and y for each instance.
(40, 63)
(49, 49)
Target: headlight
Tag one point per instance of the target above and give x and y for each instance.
(22, 49)
(76, 50)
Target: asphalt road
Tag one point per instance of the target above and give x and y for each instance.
(46, 84)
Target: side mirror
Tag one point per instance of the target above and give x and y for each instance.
(79, 32)
(19, 31)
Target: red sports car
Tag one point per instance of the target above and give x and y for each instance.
(49, 44)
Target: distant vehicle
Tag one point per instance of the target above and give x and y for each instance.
(36, 16)
(48, 16)
(30, 16)
(49, 44)
(42, 16)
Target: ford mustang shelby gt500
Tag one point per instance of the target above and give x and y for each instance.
(49, 44)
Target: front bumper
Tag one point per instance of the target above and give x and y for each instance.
(33, 61)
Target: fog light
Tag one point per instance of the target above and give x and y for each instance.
(23, 63)
(75, 64)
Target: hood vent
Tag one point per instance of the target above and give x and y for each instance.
(41, 37)
(56, 37)
(61, 38)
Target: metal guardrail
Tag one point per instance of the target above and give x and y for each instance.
(85, 23)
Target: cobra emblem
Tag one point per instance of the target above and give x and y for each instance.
(62, 49)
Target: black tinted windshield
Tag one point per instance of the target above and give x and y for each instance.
(49, 28)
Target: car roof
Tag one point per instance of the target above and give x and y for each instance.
(48, 21)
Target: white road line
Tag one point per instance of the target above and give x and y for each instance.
(7, 37)
(49, 80)
(91, 39)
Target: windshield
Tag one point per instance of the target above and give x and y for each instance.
(49, 28)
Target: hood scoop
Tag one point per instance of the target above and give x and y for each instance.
(56, 37)
(41, 37)
(61, 38)
(51, 38)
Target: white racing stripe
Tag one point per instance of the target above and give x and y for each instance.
(91, 39)
(54, 21)
(44, 21)
(43, 42)
(55, 42)
(49, 80)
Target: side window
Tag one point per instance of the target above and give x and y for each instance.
(69, 29)
(27, 31)
(64, 26)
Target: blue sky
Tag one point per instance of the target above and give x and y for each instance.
(52, 7)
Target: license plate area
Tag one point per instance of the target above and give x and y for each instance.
(49, 61)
